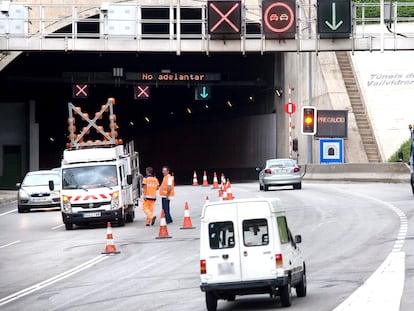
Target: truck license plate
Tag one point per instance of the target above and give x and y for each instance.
(91, 214)
(226, 268)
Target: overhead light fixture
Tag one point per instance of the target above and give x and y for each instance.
(5, 7)
(229, 104)
(251, 98)
(206, 106)
(189, 111)
(51, 139)
(147, 119)
(131, 123)
(278, 92)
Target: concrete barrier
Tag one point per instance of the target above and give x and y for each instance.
(358, 172)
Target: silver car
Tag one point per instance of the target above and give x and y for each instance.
(280, 172)
(35, 192)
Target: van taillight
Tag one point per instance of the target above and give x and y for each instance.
(296, 169)
(267, 171)
(203, 266)
(279, 260)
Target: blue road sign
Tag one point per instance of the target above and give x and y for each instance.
(331, 151)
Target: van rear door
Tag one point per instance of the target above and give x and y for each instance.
(222, 252)
(256, 241)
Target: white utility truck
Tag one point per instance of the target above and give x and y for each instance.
(246, 247)
(100, 178)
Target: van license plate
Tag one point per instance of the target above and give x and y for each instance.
(92, 214)
(226, 268)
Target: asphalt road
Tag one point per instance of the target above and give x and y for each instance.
(348, 231)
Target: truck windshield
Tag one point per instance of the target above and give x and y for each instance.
(87, 177)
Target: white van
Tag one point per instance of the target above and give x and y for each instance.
(246, 247)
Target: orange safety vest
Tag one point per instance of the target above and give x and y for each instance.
(167, 181)
(152, 184)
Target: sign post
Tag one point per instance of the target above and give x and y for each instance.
(290, 109)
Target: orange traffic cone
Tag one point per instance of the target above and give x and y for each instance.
(223, 179)
(229, 192)
(187, 224)
(224, 187)
(215, 181)
(163, 234)
(205, 181)
(195, 181)
(110, 246)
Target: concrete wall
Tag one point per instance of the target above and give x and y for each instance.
(387, 84)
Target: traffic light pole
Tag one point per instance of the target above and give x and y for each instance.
(309, 153)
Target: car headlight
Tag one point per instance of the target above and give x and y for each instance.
(23, 195)
(115, 200)
(66, 206)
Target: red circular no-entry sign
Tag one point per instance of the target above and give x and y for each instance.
(290, 108)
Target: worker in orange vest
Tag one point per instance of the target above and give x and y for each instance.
(150, 184)
(166, 192)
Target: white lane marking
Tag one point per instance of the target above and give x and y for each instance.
(384, 288)
(52, 280)
(9, 212)
(10, 244)
(57, 227)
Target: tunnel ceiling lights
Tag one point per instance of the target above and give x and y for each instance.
(278, 92)
(229, 104)
(189, 111)
(147, 119)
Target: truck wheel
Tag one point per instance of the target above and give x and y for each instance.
(121, 221)
(301, 287)
(130, 217)
(68, 226)
(285, 293)
(211, 301)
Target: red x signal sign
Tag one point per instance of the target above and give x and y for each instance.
(80, 90)
(142, 92)
(224, 17)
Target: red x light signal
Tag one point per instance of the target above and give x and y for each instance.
(279, 18)
(80, 90)
(142, 92)
(224, 17)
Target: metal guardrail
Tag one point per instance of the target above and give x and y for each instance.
(177, 28)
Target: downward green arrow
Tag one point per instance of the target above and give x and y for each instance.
(334, 26)
(204, 93)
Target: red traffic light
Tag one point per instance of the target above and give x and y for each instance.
(309, 120)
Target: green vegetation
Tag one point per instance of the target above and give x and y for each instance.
(405, 149)
(374, 11)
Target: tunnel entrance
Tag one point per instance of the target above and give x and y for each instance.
(233, 130)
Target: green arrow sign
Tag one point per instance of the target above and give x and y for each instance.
(334, 18)
(334, 25)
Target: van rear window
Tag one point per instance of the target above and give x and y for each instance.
(221, 235)
(255, 232)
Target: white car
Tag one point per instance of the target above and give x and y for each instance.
(34, 191)
(280, 172)
(246, 247)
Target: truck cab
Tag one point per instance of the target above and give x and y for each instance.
(246, 247)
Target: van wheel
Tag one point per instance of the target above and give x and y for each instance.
(260, 187)
(301, 287)
(68, 226)
(211, 301)
(297, 186)
(266, 188)
(285, 293)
